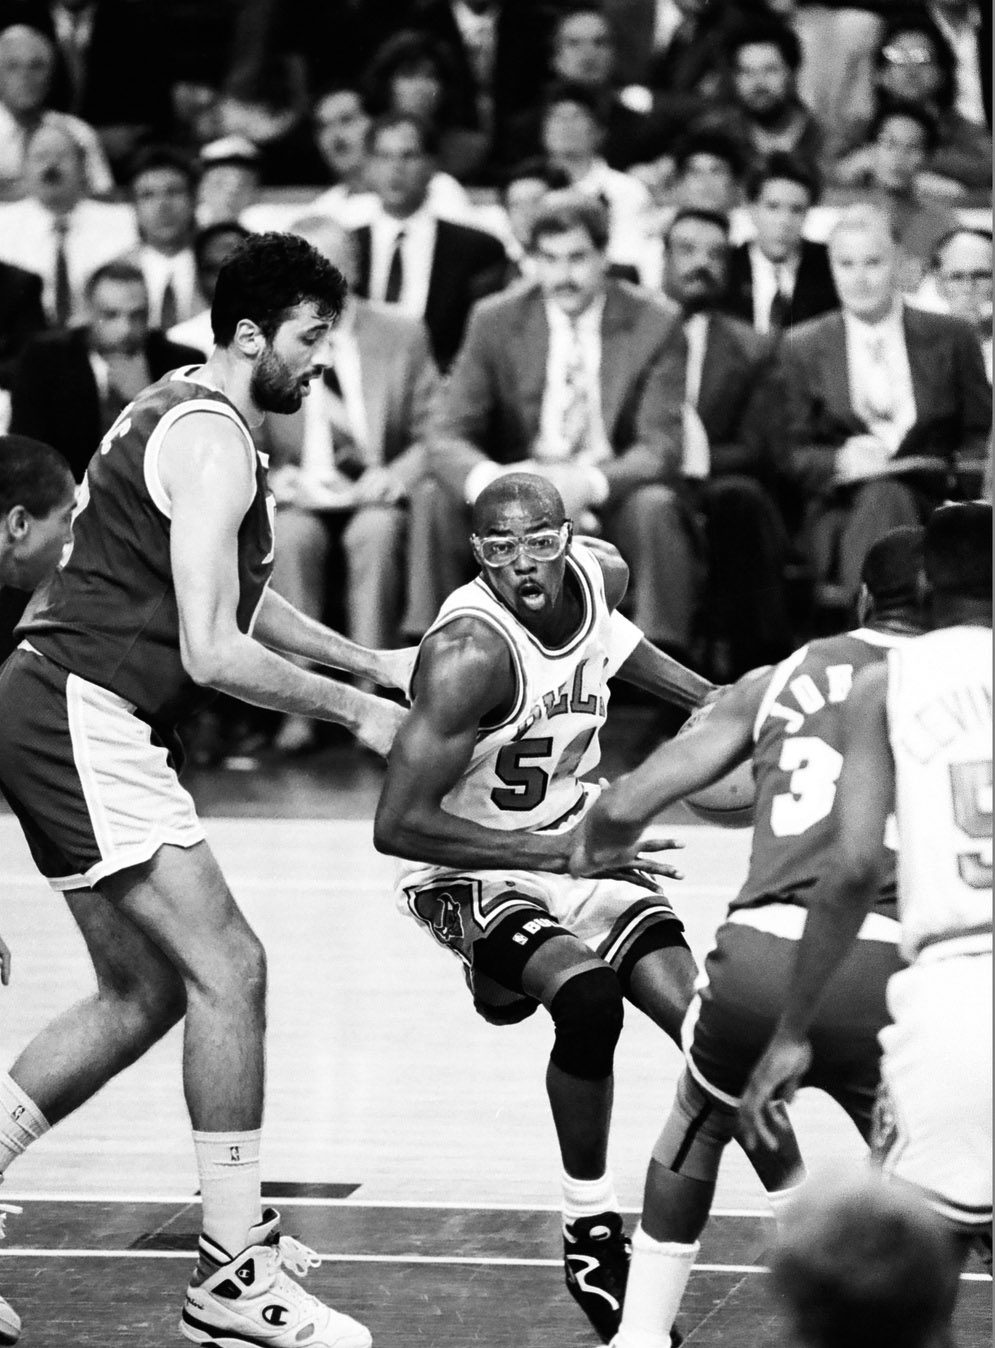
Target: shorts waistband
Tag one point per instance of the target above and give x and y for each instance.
(787, 920)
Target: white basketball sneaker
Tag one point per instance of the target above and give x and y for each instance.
(10, 1321)
(250, 1300)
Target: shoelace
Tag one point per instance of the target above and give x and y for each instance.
(6, 1208)
(297, 1256)
(300, 1259)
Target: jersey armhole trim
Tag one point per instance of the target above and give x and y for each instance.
(153, 481)
(518, 705)
(778, 682)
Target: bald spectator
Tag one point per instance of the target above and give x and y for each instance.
(27, 66)
(57, 230)
(903, 137)
(885, 403)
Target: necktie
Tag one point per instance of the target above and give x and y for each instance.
(576, 423)
(879, 400)
(697, 451)
(780, 305)
(348, 457)
(168, 309)
(62, 300)
(395, 275)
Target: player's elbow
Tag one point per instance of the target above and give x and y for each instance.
(388, 830)
(204, 661)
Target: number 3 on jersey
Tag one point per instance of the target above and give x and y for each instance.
(815, 767)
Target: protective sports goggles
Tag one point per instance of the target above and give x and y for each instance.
(545, 545)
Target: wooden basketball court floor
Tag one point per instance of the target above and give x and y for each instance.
(405, 1140)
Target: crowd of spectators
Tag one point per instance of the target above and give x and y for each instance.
(722, 269)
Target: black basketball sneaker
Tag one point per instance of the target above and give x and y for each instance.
(596, 1253)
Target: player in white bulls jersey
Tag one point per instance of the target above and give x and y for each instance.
(918, 739)
(483, 795)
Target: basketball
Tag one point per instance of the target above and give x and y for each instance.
(729, 801)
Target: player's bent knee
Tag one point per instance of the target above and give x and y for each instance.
(587, 1016)
(696, 1133)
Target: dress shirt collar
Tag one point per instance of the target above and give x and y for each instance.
(779, 272)
(891, 326)
(587, 324)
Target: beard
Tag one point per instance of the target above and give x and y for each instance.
(272, 387)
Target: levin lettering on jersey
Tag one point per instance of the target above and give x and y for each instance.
(570, 697)
(944, 720)
(810, 698)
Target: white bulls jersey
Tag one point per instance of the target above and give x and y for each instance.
(940, 727)
(524, 773)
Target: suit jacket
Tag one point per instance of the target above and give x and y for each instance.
(400, 383)
(21, 316)
(741, 401)
(951, 390)
(814, 293)
(462, 254)
(55, 396)
(491, 406)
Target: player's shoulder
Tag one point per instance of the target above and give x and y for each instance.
(609, 560)
(465, 662)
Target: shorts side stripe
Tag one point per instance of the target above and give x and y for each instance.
(687, 1040)
(648, 914)
(76, 690)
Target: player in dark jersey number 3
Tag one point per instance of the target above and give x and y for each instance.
(163, 600)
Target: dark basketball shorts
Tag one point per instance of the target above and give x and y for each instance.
(741, 992)
(93, 787)
(494, 921)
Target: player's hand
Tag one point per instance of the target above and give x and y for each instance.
(394, 668)
(378, 723)
(772, 1084)
(4, 962)
(378, 486)
(591, 857)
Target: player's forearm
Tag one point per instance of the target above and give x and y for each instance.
(284, 628)
(834, 919)
(443, 839)
(652, 670)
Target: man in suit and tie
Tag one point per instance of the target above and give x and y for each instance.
(555, 378)
(886, 404)
(344, 466)
(429, 267)
(71, 386)
(164, 191)
(734, 455)
(779, 278)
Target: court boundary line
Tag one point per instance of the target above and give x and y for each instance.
(417, 1259)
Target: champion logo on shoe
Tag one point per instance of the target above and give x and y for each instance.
(275, 1315)
(246, 1272)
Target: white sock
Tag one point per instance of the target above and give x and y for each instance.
(658, 1275)
(21, 1122)
(782, 1201)
(587, 1198)
(228, 1165)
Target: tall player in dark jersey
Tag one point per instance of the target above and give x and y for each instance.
(790, 721)
(162, 600)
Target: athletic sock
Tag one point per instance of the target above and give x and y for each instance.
(21, 1121)
(228, 1166)
(588, 1198)
(782, 1201)
(658, 1275)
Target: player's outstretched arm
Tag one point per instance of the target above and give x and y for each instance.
(285, 629)
(656, 672)
(708, 747)
(465, 675)
(865, 796)
(207, 475)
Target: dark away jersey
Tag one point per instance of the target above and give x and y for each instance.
(110, 613)
(797, 757)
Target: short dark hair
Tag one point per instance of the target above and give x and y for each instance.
(959, 550)
(782, 167)
(428, 136)
(32, 475)
(702, 213)
(575, 7)
(119, 271)
(569, 209)
(526, 487)
(571, 91)
(913, 112)
(711, 142)
(152, 157)
(405, 51)
(555, 178)
(764, 32)
(265, 277)
(206, 236)
(892, 567)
